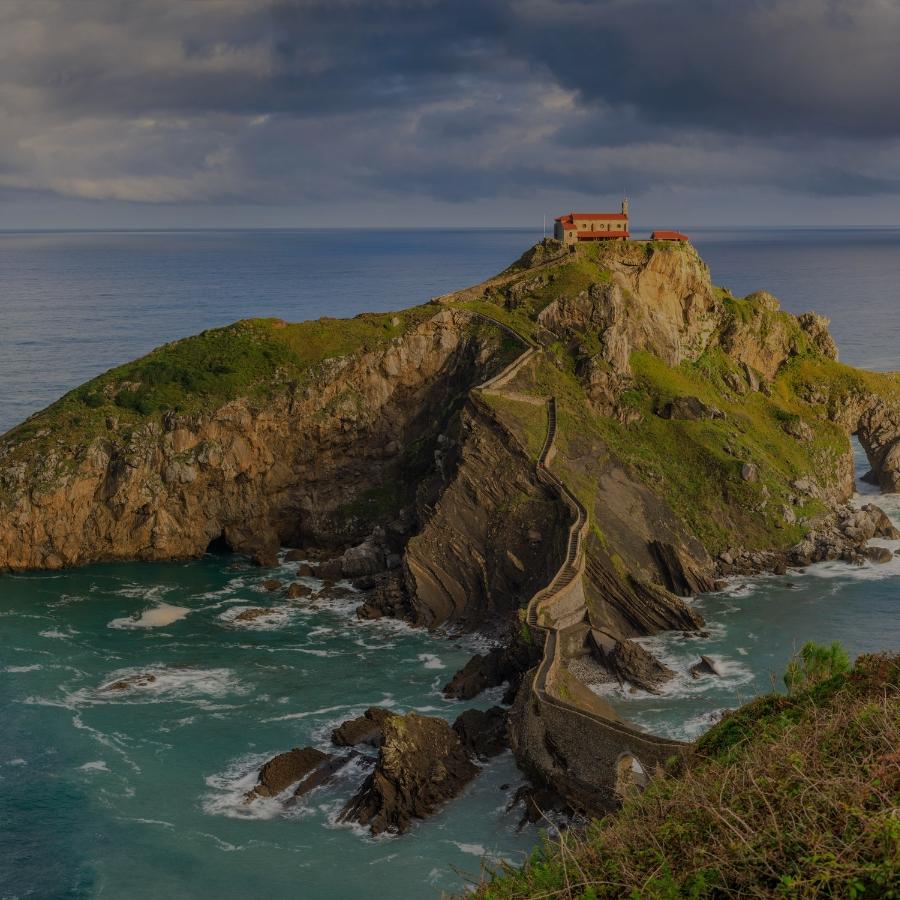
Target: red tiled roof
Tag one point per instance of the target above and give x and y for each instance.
(569, 217)
(668, 236)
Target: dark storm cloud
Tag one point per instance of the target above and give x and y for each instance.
(455, 100)
(757, 66)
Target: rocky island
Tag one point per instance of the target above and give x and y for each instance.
(556, 457)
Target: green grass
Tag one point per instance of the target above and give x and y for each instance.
(789, 796)
(527, 421)
(252, 358)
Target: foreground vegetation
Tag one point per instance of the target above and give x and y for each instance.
(790, 796)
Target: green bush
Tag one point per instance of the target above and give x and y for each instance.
(815, 663)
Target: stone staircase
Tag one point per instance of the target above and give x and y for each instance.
(561, 604)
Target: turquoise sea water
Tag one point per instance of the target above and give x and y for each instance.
(137, 794)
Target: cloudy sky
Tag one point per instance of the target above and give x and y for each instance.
(378, 112)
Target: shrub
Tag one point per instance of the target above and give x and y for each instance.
(815, 663)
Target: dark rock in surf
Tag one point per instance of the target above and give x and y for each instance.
(706, 666)
(483, 732)
(285, 769)
(420, 766)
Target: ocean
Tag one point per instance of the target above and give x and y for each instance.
(138, 794)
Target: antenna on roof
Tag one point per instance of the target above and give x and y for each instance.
(545, 225)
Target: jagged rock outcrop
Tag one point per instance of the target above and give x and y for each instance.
(844, 534)
(706, 665)
(629, 662)
(421, 765)
(681, 573)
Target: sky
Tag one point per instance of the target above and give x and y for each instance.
(400, 113)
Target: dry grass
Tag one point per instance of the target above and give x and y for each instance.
(789, 796)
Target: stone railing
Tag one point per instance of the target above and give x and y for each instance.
(597, 743)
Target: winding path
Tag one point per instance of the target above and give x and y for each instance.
(561, 603)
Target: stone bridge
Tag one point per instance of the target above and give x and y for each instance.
(562, 731)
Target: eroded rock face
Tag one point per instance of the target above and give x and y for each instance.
(421, 765)
(462, 566)
(657, 301)
(249, 473)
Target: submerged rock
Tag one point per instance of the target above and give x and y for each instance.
(271, 584)
(365, 729)
(123, 684)
(539, 803)
(421, 765)
(249, 615)
(296, 590)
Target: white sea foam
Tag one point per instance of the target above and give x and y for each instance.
(431, 661)
(166, 683)
(387, 700)
(154, 617)
(97, 765)
(18, 761)
(472, 849)
(32, 668)
(274, 617)
(57, 634)
(154, 593)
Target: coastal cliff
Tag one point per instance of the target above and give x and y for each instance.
(693, 435)
(264, 433)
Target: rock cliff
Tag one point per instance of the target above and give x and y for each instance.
(689, 420)
(318, 462)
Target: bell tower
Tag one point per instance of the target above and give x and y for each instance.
(624, 206)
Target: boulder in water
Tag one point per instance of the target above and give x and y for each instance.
(878, 554)
(285, 769)
(256, 612)
(421, 765)
(132, 681)
(706, 666)
(629, 661)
